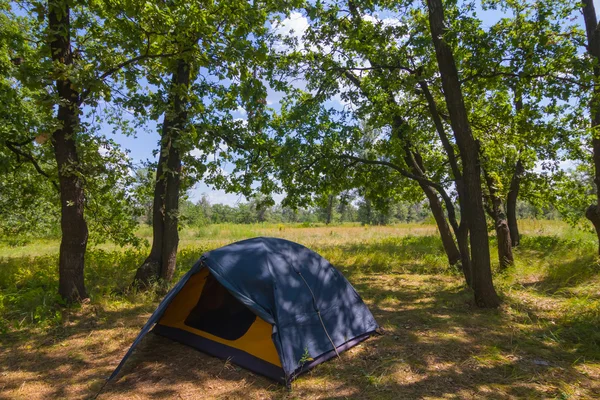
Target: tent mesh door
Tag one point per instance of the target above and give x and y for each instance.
(219, 313)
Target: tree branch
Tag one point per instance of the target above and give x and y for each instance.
(440, 189)
(528, 76)
(125, 63)
(14, 147)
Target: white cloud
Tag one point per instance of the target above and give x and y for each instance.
(293, 26)
(244, 121)
(385, 21)
(103, 151)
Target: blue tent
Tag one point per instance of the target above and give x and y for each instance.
(267, 304)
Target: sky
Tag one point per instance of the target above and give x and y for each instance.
(145, 142)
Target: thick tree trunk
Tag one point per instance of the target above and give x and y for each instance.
(511, 204)
(593, 38)
(72, 223)
(161, 263)
(485, 294)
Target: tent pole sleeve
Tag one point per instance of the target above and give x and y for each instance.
(318, 312)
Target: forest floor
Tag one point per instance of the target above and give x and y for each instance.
(543, 342)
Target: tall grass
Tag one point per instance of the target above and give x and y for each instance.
(555, 263)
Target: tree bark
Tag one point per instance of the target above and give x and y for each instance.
(505, 254)
(329, 216)
(511, 204)
(413, 160)
(462, 238)
(485, 294)
(74, 229)
(442, 224)
(593, 48)
(160, 264)
(462, 233)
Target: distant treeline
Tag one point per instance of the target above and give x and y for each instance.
(336, 211)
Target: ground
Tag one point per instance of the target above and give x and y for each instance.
(543, 342)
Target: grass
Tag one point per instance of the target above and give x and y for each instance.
(543, 342)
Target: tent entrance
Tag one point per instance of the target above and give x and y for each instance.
(219, 313)
(206, 316)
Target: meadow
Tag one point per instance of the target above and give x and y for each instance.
(543, 342)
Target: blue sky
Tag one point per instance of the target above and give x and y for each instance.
(145, 141)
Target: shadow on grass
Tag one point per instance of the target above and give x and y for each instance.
(561, 275)
(436, 344)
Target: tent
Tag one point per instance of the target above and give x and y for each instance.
(266, 304)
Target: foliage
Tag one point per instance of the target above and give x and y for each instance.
(29, 175)
(202, 213)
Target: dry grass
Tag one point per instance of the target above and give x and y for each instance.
(542, 343)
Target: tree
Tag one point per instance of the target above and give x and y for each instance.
(165, 235)
(515, 88)
(376, 96)
(221, 50)
(485, 294)
(27, 203)
(593, 49)
(65, 60)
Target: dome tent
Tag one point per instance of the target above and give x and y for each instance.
(266, 304)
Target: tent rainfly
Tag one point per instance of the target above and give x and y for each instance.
(266, 304)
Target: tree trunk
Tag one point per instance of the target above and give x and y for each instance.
(593, 47)
(414, 161)
(485, 294)
(161, 263)
(462, 238)
(505, 254)
(329, 209)
(73, 226)
(511, 204)
(462, 233)
(442, 224)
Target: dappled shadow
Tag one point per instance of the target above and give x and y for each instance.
(69, 360)
(161, 368)
(436, 343)
(562, 268)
